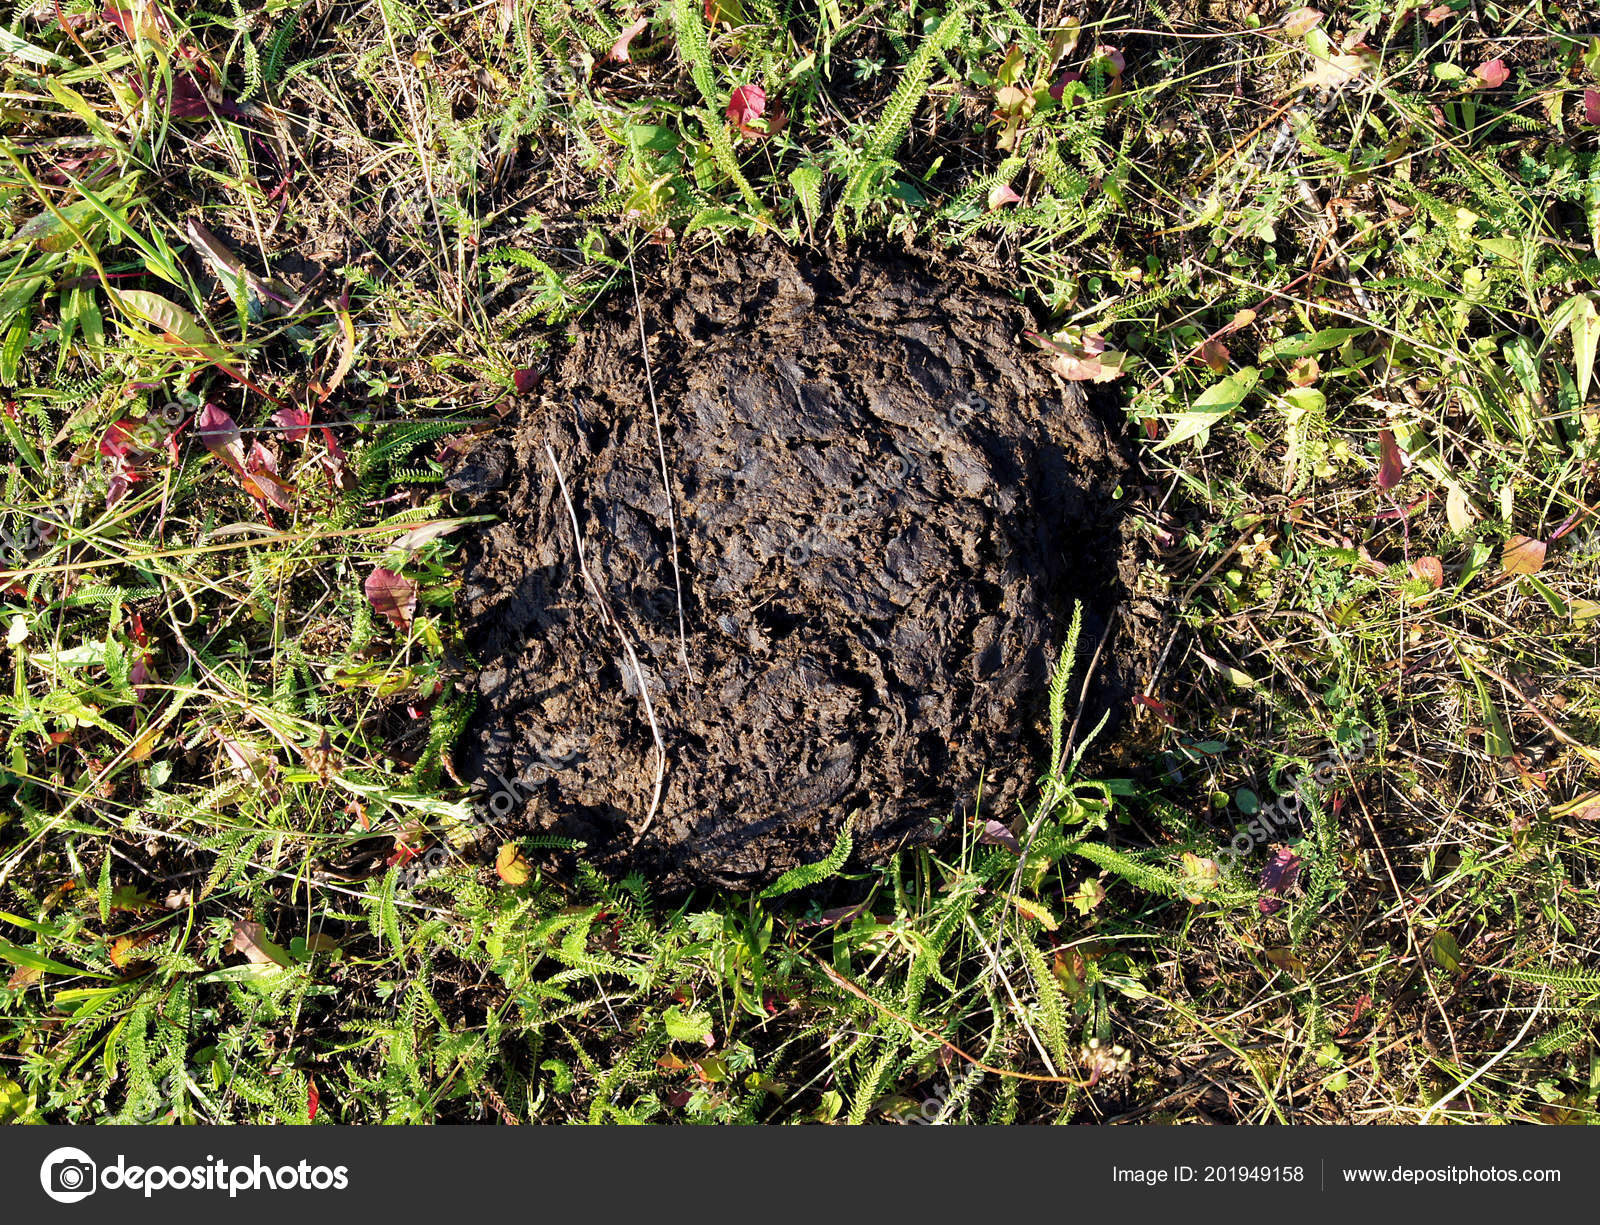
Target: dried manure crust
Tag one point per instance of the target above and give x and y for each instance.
(885, 506)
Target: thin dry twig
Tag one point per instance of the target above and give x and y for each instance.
(610, 620)
(666, 481)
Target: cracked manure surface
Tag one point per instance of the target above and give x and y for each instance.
(885, 506)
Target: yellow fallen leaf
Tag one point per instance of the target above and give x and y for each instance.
(511, 866)
(1200, 877)
(124, 950)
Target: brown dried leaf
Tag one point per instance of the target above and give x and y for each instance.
(392, 596)
(995, 833)
(1339, 70)
(250, 938)
(1522, 555)
(1215, 354)
(1391, 465)
(1287, 961)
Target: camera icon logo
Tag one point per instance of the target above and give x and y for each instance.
(68, 1175)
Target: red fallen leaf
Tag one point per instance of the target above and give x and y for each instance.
(1156, 707)
(141, 677)
(1355, 1015)
(261, 459)
(333, 462)
(392, 596)
(123, 444)
(189, 101)
(1001, 194)
(1430, 569)
(150, 22)
(1278, 877)
(1436, 14)
(1391, 467)
(1112, 60)
(1492, 73)
(996, 834)
(1523, 555)
(1591, 106)
(313, 1099)
(260, 478)
(777, 119)
(526, 379)
(1059, 89)
(619, 49)
(294, 422)
(747, 103)
(122, 439)
(221, 436)
(1215, 354)
(123, 479)
(143, 672)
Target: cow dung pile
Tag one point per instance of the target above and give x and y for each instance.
(813, 561)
